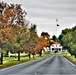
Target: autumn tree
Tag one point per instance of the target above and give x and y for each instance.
(40, 44)
(42, 41)
(46, 37)
(11, 24)
(32, 41)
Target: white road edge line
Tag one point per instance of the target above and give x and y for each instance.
(14, 66)
(11, 67)
(69, 62)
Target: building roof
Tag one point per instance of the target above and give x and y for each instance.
(56, 43)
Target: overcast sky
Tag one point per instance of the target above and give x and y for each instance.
(44, 14)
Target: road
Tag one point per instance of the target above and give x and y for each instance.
(50, 65)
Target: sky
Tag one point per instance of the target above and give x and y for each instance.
(44, 13)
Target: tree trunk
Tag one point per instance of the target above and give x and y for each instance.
(33, 55)
(15, 55)
(7, 53)
(29, 55)
(40, 53)
(1, 59)
(18, 55)
(75, 55)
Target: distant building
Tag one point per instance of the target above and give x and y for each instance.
(56, 47)
(46, 48)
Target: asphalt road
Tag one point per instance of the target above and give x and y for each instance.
(50, 65)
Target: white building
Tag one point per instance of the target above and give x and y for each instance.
(56, 47)
(46, 48)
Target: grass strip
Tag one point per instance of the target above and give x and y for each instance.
(72, 58)
(10, 61)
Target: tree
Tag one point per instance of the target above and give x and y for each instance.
(74, 41)
(12, 26)
(51, 41)
(42, 41)
(32, 41)
(68, 40)
(63, 33)
(12, 14)
(54, 38)
(46, 36)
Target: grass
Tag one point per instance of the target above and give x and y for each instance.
(68, 55)
(9, 61)
(72, 58)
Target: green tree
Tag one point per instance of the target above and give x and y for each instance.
(68, 40)
(54, 38)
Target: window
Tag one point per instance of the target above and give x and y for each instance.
(52, 48)
(59, 45)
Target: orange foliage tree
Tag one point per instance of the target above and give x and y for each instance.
(14, 33)
(42, 41)
(11, 25)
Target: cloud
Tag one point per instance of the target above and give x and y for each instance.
(45, 12)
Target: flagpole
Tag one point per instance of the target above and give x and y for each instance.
(56, 28)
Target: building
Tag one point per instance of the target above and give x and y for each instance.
(56, 47)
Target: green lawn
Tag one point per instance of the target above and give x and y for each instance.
(12, 60)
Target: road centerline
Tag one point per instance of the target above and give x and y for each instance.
(41, 69)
